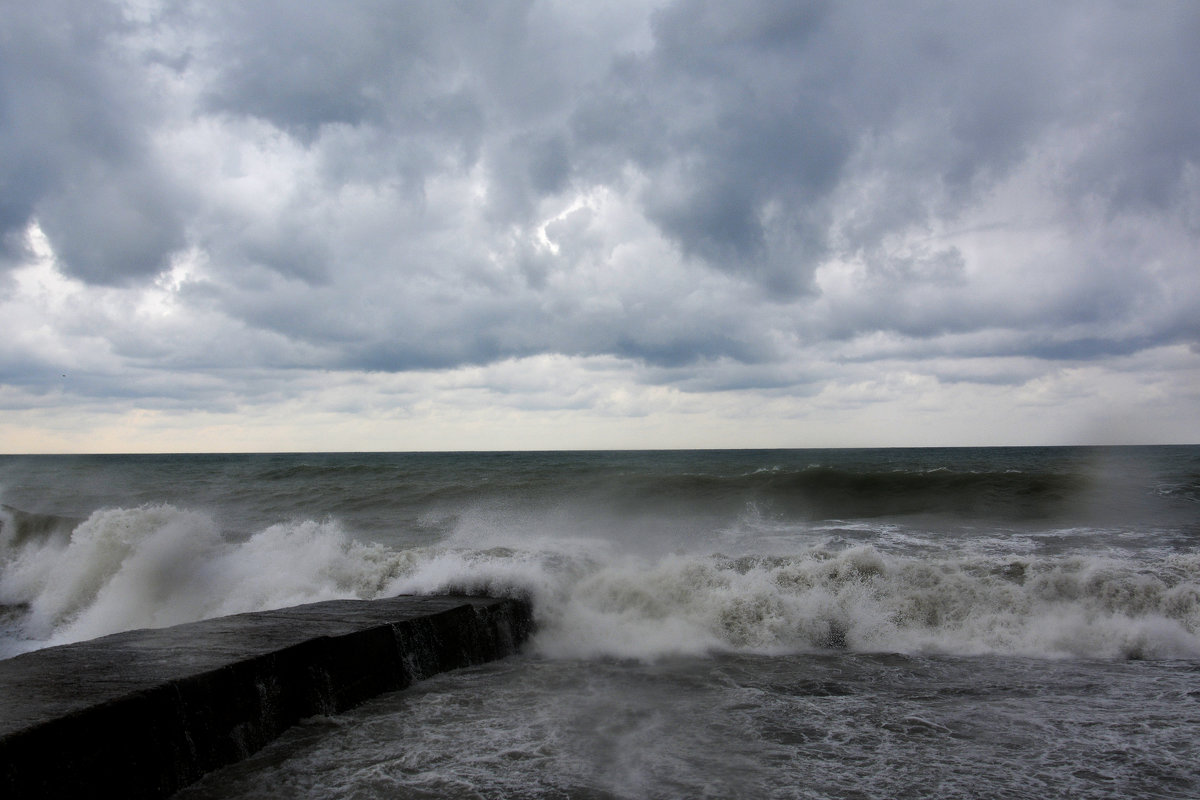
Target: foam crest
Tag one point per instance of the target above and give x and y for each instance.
(857, 599)
(599, 597)
(158, 565)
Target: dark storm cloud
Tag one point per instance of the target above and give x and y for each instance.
(376, 178)
(74, 121)
(1144, 77)
(747, 118)
(723, 116)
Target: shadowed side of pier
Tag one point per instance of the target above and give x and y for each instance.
(144, 713)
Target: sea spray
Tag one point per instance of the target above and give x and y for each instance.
(158, 565)
(857, 599)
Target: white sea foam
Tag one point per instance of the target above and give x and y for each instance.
(159, 565)
(859, 598)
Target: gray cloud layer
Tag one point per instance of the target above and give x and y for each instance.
(393, 186)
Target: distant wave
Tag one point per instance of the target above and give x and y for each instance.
(807, 493)
(822, 492)
(18, 527)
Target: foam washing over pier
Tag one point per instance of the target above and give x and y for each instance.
(144, 713)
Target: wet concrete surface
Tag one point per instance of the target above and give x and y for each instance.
(144, 713)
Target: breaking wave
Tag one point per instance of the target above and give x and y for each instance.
(155, 566)
(158, 565)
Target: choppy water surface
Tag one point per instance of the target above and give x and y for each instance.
(1010, 622)
(815, 726)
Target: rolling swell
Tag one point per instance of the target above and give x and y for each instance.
(800, 493)
(821, 492)
(378, 494)
(18, 528)
(807, 485)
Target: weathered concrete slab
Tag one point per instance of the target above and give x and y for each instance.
(144, 713)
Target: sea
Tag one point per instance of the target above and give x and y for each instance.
(845, 623)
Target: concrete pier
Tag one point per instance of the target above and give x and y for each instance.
(144, 713)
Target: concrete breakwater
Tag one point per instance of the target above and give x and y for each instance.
(144, 713)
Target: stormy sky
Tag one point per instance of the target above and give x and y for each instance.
(377, 225)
